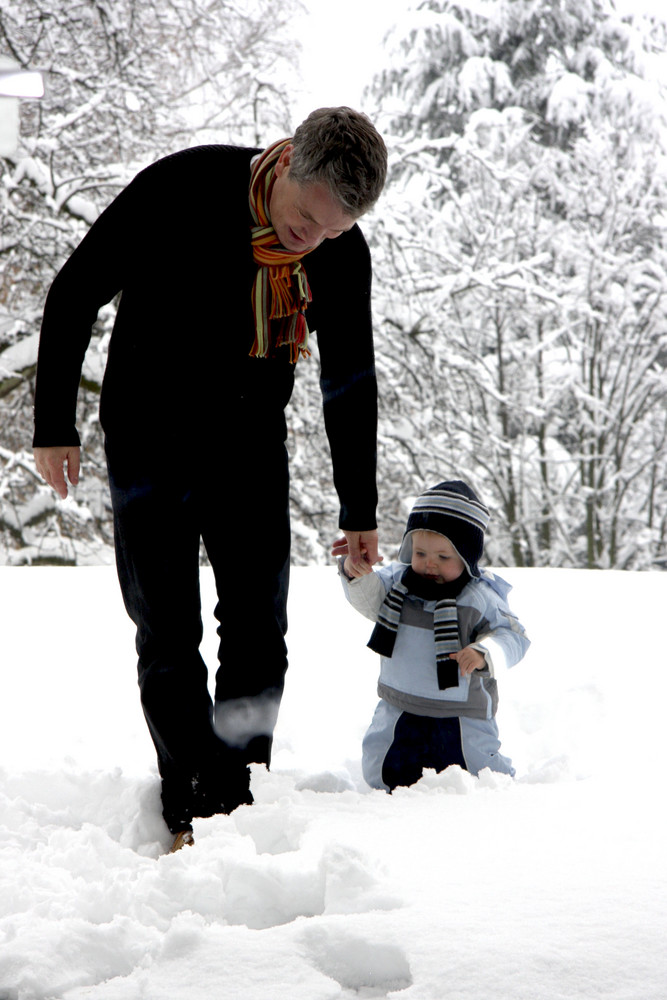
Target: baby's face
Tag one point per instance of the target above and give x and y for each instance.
(435, 558)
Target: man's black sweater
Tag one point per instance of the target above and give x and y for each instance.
(176, 245)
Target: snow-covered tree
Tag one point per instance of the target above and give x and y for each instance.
(521, 269)
(127, 81)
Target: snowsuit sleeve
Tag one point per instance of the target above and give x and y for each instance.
(499, 635)
(367, 593)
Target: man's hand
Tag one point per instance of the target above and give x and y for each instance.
(361, 549)
(340, 547)
(50, 464)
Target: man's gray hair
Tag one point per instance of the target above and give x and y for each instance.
(341, 148)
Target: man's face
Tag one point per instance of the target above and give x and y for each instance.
(303, 215)
(435, 558)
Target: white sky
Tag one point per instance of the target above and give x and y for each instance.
(341, 47)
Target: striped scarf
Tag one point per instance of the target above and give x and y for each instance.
(445, 620)
(280, 291)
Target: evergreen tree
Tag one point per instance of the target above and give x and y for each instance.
(522, 270)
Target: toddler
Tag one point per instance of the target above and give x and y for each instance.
(442, 628)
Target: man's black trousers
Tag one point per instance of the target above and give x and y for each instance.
(240, 510)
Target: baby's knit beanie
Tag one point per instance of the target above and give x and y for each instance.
(452, 509)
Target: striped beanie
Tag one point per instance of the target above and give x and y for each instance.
(453, 510)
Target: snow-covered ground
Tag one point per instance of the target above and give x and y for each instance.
(549, 887)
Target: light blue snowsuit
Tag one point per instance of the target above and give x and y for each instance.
(408, 686)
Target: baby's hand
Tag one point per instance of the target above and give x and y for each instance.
(468, 659)
(356, 569)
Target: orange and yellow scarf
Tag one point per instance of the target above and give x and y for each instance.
(280, 291)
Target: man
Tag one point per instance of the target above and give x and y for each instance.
(223, 257)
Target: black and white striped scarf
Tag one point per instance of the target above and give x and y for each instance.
(445, 620)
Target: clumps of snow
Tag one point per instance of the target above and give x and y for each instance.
(455, 781)
(99, 901)
(327, 781)
(484, 81)
(32, 510)
(550, 885)
(357, 964)
(569, 99)
(19, 356)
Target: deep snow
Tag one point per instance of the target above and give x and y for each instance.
(548, 887)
